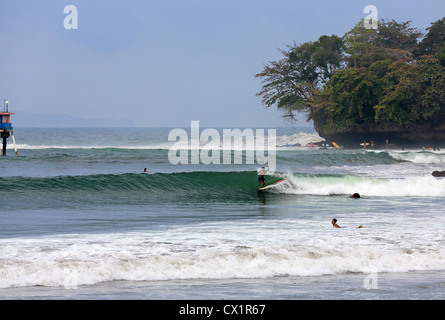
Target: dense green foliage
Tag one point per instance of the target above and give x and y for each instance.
(392, 76)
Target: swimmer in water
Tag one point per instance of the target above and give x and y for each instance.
(355, 195)
(335, 225)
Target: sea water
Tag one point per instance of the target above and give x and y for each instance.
(79, 220)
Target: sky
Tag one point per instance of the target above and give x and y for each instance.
(164, 63)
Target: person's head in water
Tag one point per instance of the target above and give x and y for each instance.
(334, 223)
(354, 195)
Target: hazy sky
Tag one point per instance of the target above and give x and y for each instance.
(166, 62)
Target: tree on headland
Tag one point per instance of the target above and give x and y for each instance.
(291, 82)
(391, 39)
(414, 93)
(385, 77)
(434, 40)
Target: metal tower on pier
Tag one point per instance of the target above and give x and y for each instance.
(6, 128)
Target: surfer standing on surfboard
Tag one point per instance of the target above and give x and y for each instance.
(261, 178)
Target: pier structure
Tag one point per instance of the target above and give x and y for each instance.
(6, 128)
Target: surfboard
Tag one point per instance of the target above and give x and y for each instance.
(272, 185)
(311, 145)
(335, 145)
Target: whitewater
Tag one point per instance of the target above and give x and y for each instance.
(79, 219)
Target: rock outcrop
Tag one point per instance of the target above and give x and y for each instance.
(414, 136)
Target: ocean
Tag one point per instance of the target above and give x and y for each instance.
(80, 220)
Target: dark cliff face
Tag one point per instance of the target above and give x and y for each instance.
(413, 136)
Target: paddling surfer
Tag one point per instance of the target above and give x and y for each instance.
(261, 178)
(335, 225)
(355, 195)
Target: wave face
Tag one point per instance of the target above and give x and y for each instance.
(221, 182)
(158, 188)
(209, 186)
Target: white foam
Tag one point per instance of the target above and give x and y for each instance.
(216, 251)
(423, 186)
(419, 157)
(414, 156)
(298, 139)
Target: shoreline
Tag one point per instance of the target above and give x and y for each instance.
(411, 285)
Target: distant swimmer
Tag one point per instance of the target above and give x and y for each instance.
(355, 195)
(261, 178)
(335, 225)
(145, 170)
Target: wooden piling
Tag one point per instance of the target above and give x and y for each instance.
(4, 137)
